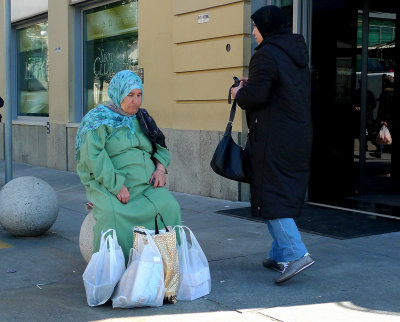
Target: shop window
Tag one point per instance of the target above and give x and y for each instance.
(32, 76)
(110, 37)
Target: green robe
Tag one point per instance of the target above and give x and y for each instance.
(110, 158)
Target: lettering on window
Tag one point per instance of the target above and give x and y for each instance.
(36, 68)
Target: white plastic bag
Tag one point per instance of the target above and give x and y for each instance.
(104, 270)
(195, 279)
(384, 136)
(143, 281)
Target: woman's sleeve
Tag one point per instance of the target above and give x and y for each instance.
(162, 155)
(262, 76)
(98, 162)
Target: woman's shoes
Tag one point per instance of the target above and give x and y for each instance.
(295, 267)
(271, 264)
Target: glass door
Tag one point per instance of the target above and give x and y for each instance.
(353, 68)
(333, 63)
(376, 45)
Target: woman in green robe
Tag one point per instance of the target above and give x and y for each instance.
(122, 160)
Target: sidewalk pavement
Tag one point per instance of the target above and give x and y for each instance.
(352, 280)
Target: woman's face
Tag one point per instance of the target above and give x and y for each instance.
(256, 34)
(132, 101)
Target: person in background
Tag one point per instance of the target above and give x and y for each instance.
(122, 160)
(276, 98)
(371, 105)
(385, 110)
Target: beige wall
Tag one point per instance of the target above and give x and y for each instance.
(59, 67)
(202, 65)
(187, 73)
(155, 56)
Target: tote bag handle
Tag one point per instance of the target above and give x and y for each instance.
(157, 231)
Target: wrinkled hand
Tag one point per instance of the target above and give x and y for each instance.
(234, 90)
(123, 195)
(159, 178)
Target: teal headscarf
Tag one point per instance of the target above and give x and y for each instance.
(111, 114)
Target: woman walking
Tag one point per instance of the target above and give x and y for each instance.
(276, 98)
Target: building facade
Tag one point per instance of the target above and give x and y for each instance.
(65, 52)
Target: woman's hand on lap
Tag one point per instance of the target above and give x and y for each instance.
(123, 195)
(159, 178)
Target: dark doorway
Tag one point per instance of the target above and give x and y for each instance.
(354, 43)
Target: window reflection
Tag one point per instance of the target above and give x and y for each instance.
(381, 60)
(110, 45)
(33, 98)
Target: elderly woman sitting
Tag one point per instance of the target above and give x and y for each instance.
(122, 160)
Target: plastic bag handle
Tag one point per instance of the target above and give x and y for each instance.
(181, 227)
(183, 247)
(102, 238)
(193, 239)
(157, 232)
(113, 257)
(111, 241)
(182, 234)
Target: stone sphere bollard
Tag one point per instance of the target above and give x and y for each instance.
(28, 206)
(86, 237)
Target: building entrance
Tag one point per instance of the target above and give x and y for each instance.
(354, 48)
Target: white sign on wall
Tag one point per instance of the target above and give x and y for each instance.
(202, 18)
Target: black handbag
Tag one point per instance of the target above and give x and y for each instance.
(230, 160)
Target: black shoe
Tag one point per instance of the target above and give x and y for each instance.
(376, 155)
(271, 264)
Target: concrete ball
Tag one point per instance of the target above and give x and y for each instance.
(86, 237)
(28, 206)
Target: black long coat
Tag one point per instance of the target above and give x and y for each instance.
(276, 99)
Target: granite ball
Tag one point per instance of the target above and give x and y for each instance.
(86, 237)
(28, 206)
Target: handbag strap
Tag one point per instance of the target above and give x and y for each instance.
(157, 231)
(228, 129)
(233, 108)
(233, 112)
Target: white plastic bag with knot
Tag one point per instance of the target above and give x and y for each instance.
(195, 279)
(104, 270)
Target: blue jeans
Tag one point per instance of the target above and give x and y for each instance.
(287, 245)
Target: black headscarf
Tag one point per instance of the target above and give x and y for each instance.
(150, 128)
(270, 18)
(147, 124)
